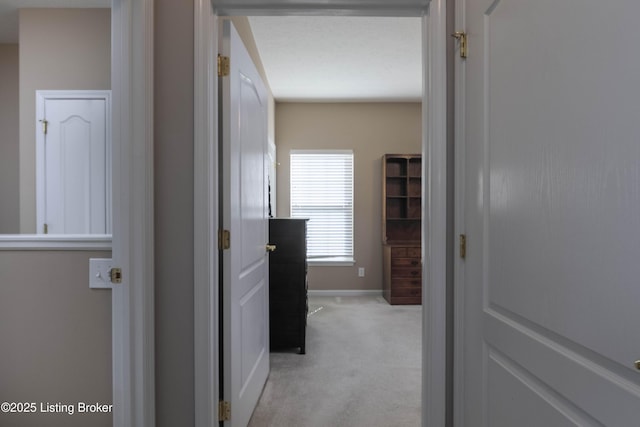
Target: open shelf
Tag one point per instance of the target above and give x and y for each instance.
(396, 186)
(415, 167)
(414, 187)
(402, 192)
(396, 167)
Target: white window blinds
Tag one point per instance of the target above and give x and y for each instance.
(322, 190)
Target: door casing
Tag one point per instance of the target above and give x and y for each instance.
(132, 213)
(434, 147)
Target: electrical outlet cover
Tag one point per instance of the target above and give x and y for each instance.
(99, 269)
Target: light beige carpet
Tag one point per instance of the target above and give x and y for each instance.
(362, 369)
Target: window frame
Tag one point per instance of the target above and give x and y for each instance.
(327, 260)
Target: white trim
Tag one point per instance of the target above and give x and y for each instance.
(331, 262)
(133, 301)
(205, 215)
(459, 227)
(344, 293)
(327, 151)
(434, 146)
(62, 242)
(434, 242)
(41, 97)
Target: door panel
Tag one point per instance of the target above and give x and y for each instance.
(245, 266)
(67, 166)
(551, 213)
(533, 401)
(74, 169)
(254, 342)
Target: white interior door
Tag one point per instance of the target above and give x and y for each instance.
(245, 299)
(73, 167)
(552, 214)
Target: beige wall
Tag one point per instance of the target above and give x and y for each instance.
(55, 336)
(173, 162)
(9, 140)
(55, 331)
(173, 198)
(59, 49)
(371, 130)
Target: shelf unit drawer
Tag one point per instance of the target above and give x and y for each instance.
(398, 252)
(405, 262)
(404, 282)
(402, 269)
(405, 272)
(406, 252)
(414, 252)
(406, 292)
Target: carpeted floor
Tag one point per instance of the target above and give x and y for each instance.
(362, 369)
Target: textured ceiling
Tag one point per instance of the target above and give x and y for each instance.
(341, 58)
(9, 13)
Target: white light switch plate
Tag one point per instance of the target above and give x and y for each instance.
(99, 269)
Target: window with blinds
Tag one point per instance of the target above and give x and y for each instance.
(322, 191)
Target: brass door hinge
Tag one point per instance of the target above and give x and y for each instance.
(463, 246)
(45, 126)
(462, 37)
(224, 239)
(45, 229)
(115, 274)
(224, 66)
(224, 410)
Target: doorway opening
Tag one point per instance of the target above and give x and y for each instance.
(434, 138)
(351, 83)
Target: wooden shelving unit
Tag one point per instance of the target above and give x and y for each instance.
(401, 227)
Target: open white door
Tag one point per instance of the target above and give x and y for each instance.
(551, 214)
(245, 267)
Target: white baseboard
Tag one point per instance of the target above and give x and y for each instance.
(344, 293)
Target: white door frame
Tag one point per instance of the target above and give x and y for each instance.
(434, 144)
(132, 249)
(206, 269)
(459, 225)
(41, 97)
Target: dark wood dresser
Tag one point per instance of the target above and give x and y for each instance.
(288, 283)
